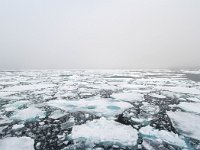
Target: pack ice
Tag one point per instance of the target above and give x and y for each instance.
(100, 109)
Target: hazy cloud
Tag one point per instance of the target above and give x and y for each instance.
(99, 34)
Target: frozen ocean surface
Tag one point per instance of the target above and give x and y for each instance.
(100, 109)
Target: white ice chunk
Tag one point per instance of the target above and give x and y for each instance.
(150, 109)
(17, 143)
(194, 99)
(147, 146)
(103, 130)
(57, 114)
(163, 135)
(131, 97)
(95, 105)
(191, 107)
(17, 126)
(187, 123)
(28, 114)
(157, 95)
(15, 105)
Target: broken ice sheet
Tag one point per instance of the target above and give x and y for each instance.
(130, 97)
(187, 123)
(57, 114)
(16, 105)
(137, 95)
(17, 126)
(190, 107)
(105, 131)
(28, 114)
(157, 95)
(97, 105)
(16, 143)
(168, 137)
(194, 99)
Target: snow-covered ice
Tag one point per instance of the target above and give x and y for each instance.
(100, 109)
(17, 143)
(16, 105)
(168, 137)
(157, 95)
(187, 123)
(17, 126)
(191, 107)
(130, 97)
(99, 106)
(28, 114)
(103, 130)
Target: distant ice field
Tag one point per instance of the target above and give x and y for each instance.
(100, 109)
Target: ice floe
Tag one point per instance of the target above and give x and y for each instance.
(187, 123)
(130, 97)
(194, 99)
(17, 126)
(17, 143)
(157, 95)
(103, 130)
(57, 114)
(28, 114)
(191, 107)
(168, 137)
(64, 109)
(16, 105)
(100, 106)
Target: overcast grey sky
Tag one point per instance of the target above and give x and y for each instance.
(73, 34)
